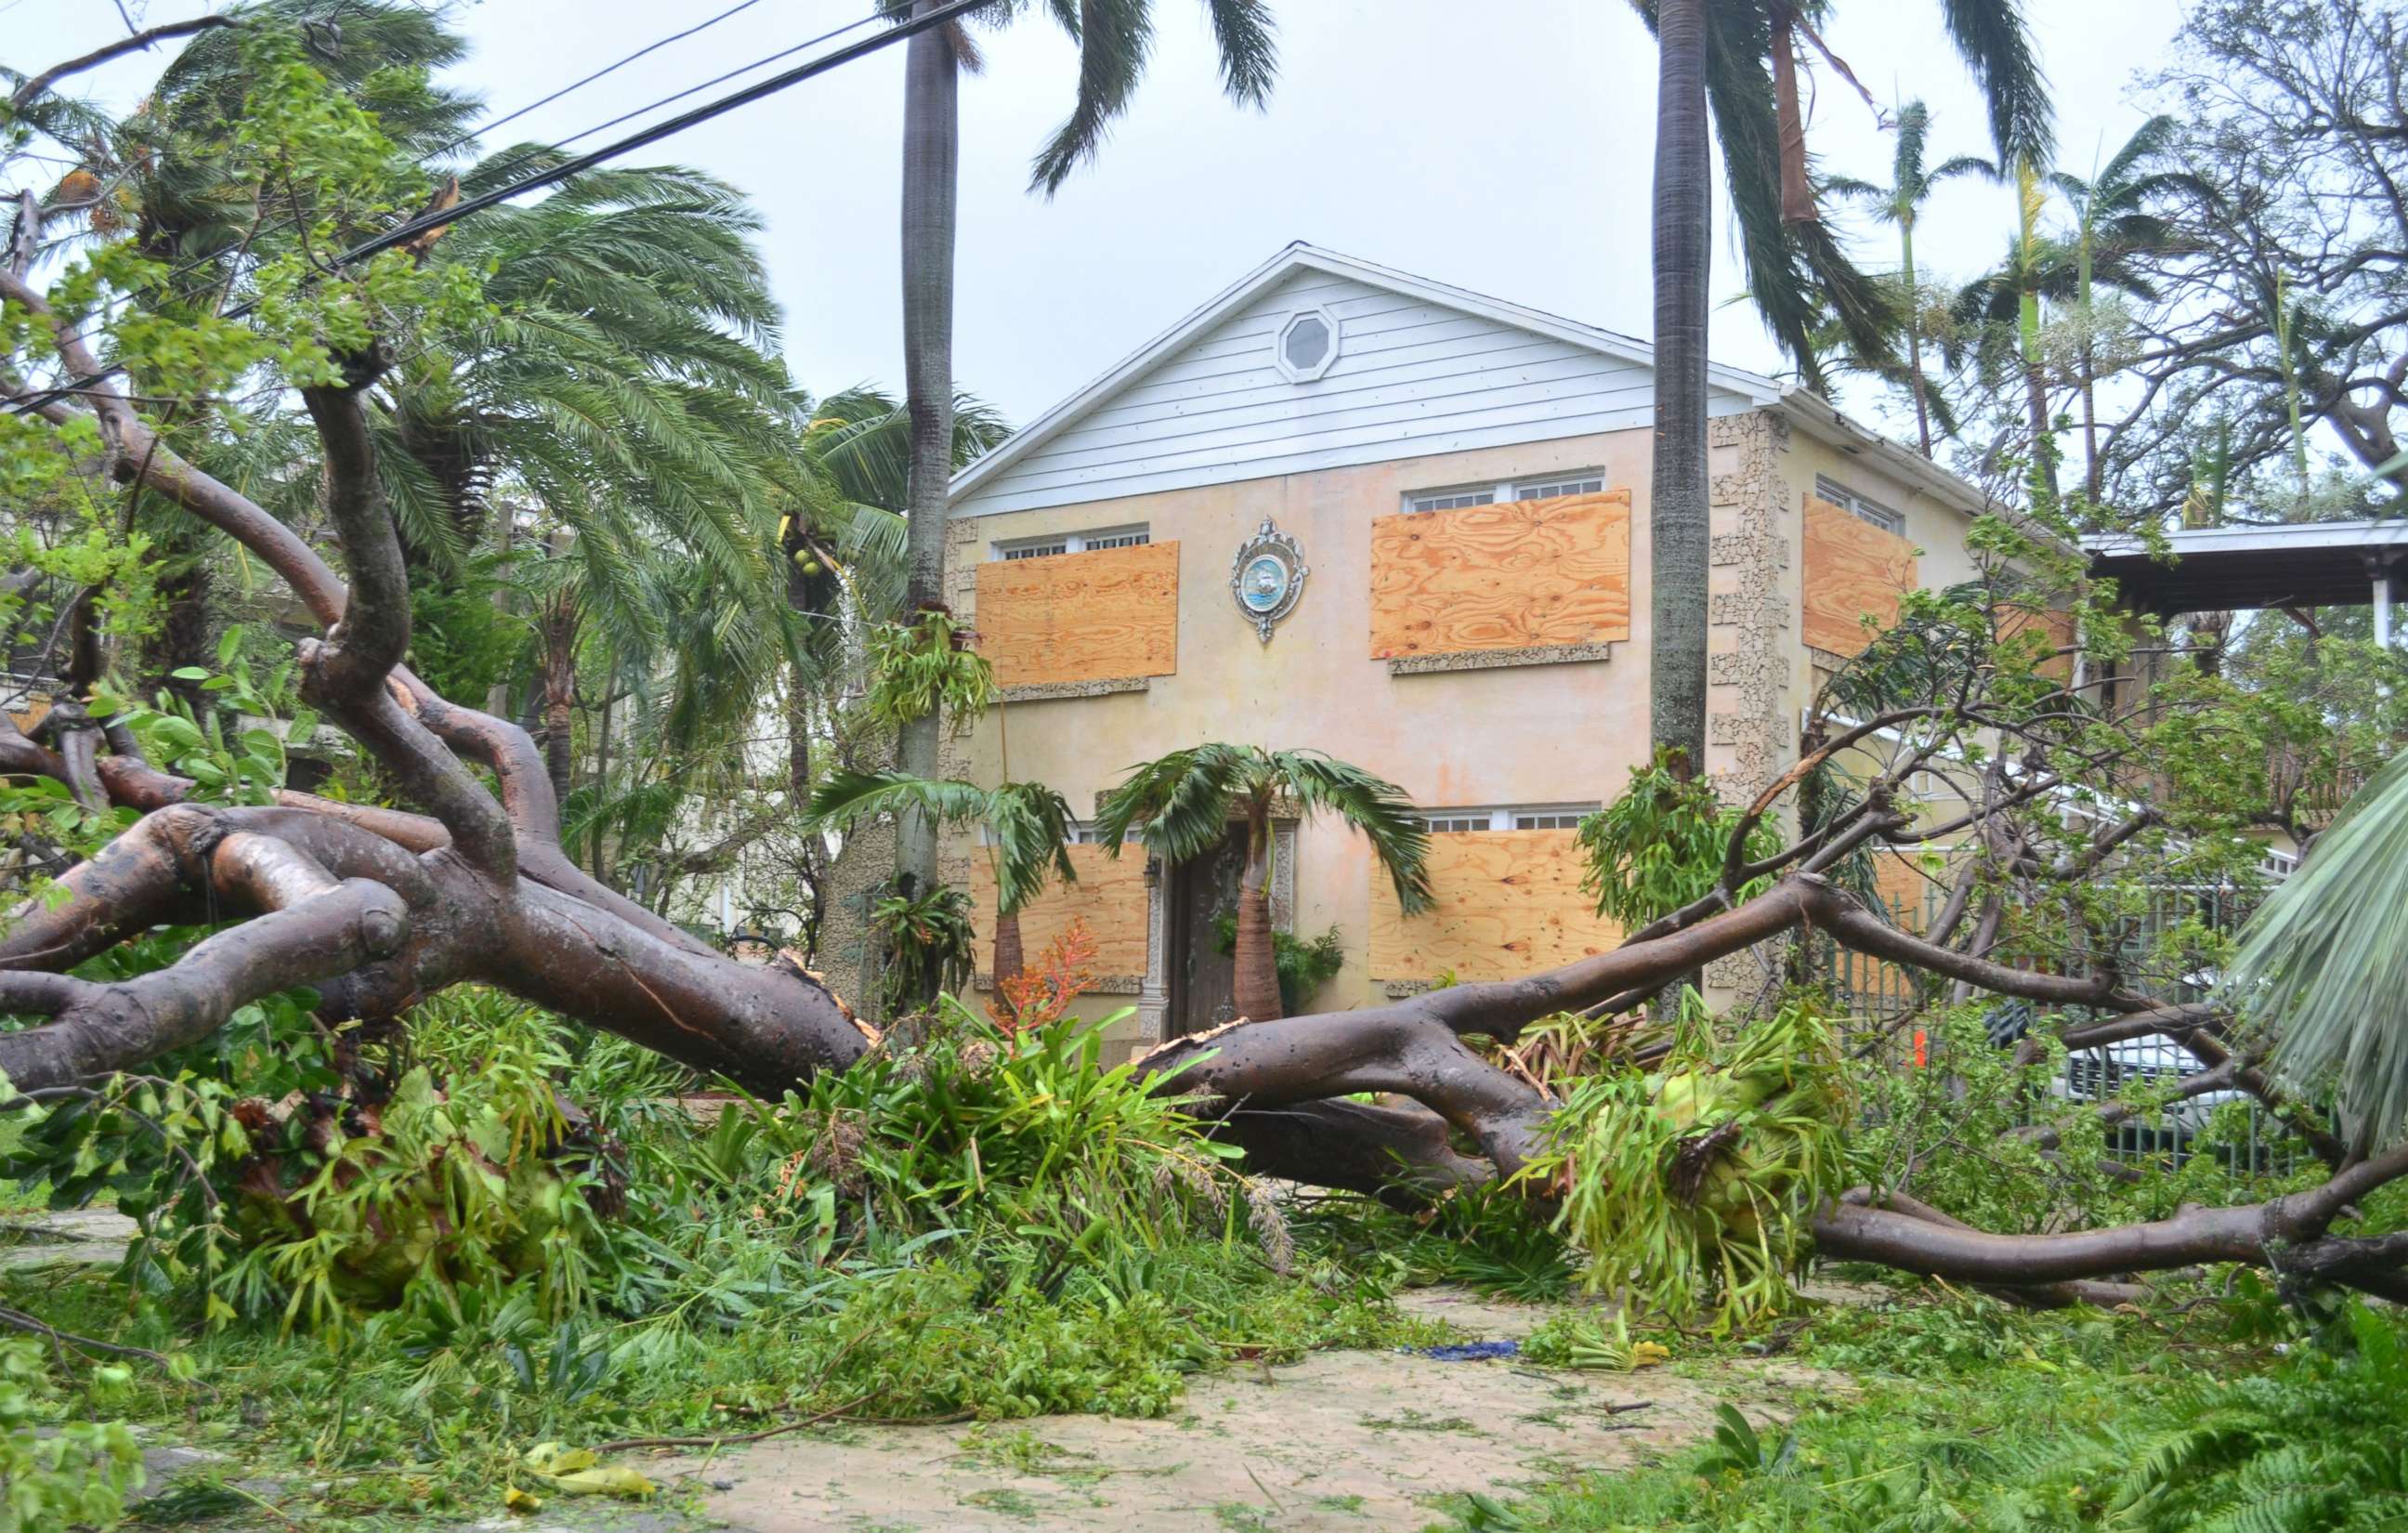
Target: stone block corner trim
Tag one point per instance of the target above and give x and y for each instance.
(1045, 691)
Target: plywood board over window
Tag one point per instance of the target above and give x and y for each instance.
(1110, 897)
(1510, 903)
(1080, 617)
(2055, 626)
(1527, 574)
(1854, 570)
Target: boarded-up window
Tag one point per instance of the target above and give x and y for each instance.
(1080, 617)
(1510, 903)
(1109, 895)
(1854, 570)
(1527, 574)
(2054, 627)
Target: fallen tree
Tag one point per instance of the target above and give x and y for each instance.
(377, 909)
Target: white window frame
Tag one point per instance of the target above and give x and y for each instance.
(1863, 508)
(1571, 481)
(1459, 822)
(1289, 370)
(1053, 544)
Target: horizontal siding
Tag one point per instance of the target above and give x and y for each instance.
(1412, 379)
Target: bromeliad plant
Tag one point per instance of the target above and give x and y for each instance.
(1694, 1184)
(1182, 806)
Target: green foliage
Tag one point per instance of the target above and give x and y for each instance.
(924, 946)
(2324, 961)
(1028, 825)
(74, 1474)
(1660, 846)
(1695, 1182)
(1304, 964)
(2042, 1423)
(920, 669)
(462, 642)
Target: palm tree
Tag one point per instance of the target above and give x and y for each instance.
(1114, 38)
(1027, 838)
(1731, 65)
(1181, 805)
(2002, 308)
(1901, 203)
(2112, 211)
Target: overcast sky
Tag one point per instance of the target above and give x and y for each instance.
(1502, 146)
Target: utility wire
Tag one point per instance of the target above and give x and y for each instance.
(411, 229)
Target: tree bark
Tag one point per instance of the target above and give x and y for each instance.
(1254, 988)
(1011, 961)
(1678, 507)
(1915, 381)
(931, 164)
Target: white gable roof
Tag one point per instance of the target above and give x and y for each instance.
(1422, 368)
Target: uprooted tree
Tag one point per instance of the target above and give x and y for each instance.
(2043, 785)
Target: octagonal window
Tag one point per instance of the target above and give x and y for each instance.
(1307, 344)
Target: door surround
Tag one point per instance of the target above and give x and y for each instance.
(1154, 997)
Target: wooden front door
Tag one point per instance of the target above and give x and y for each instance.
(1203, 978)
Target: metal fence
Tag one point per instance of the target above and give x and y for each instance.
(1884, 1002)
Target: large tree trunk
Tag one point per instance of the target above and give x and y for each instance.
(1678, 505)
(931, 162)
(560, 693)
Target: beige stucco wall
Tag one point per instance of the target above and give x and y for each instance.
(1537, 734)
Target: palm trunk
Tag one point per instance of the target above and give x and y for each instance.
(2043, 464)
(599, 855)
(1010, 959)
(2090, 475)
(1914, 336)
(1256, 991)
(1677, 520)
(1796, 191)
(931, 162)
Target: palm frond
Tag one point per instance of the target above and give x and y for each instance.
(2324, 964)
(1180, 804)
(1371, 804)
(1997, 47)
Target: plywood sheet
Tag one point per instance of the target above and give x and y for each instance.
(1109, 895)
(1854, 569)
(1527, 574)
(2057, 628)
(1508, 904)
(1080, 617)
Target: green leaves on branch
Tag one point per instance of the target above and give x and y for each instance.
(1693, 1185)
(1660, 846)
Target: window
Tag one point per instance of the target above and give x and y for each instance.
(1581, 481)
(1525, 817)
(1076, 542)
(1863, 510)
(1548, 490)
(1087, 835)
(1307, 345)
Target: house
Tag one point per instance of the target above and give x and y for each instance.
(1346, 507)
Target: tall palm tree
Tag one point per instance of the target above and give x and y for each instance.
(1731, 65)
(1901, 203)
(1181, 805)
(1027, 838)
(1114, 38)
(2113, 211)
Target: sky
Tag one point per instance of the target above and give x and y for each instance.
(1504, 147)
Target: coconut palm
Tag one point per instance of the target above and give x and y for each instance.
(1114, 38)
(1181, 805)
(2113, 212)
(1027, 827)
(1728, 70)
(1901, 203)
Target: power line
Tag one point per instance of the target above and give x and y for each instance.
(411, 229)
(484, 128)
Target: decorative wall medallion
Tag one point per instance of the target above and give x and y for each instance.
(1267, 577)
